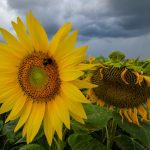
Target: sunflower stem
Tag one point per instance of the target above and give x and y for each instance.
(61, 143)
(110, 133)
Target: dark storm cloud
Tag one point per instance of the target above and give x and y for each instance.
(46, 11)
(104, 25)
(122, 18)
(133, 15)
(93, 18)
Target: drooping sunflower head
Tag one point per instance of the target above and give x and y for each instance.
(125, 87)
(39, 79)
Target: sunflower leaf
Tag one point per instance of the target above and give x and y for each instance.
(97, 117)
(141, 133)
(78, 127)
(84, 142)
(8, 131)
(31, 147)
(127, 143)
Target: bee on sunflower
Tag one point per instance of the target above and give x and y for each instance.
(124, 84)
(39, 82)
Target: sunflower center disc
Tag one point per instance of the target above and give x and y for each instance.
(114, 91)
(39, 77)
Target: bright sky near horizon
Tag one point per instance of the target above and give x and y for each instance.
(104, 25)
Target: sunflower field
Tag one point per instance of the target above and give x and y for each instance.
(54, 97)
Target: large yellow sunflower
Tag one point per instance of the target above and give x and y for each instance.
(39, 79)
(124, 88)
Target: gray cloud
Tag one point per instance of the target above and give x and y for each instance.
(93, 18)
(104, 25)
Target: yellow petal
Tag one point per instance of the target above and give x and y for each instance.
(73, 57)
(37, 33)
(20, 29)
(17, 108)
(73, 93)
(86, 66)
(10, 39)
(142, 112)
(48, 129)
(148, 103)
(147, 80)
(123, 76)
(76, 108)
(9, 103)
(121, 113)
(24, 115)
(134, 117)
(100, 102)
(59, 37)
(77, 118)
(62, 111)
(83, 84)
(56, 123)
(126, 115)
(69, 75)
(35, 120)
(24, 132)
(66, 46)
(7, 49)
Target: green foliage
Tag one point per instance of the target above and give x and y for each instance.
(117, 56)
(97, 117)
(125, 142)
(31, 147)
(84, 142)
(140, 133)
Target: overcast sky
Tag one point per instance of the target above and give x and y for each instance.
(105, 25)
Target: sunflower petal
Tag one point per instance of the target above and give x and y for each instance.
(9, 103)
(24, 115)
(35, 120)
(56, 123)
(20, 29)
(59, 37)
(69, 75)
(67, 45)
(74, 106)
(37, 33)
(126, 115)
(73, 58)
(83, 84)
(134, 117)
(148, 103)
(142, 112)
(73, 93)
(10, 39)
(86, 66)
(147, 80)
(62, 111)
(48, 129)
(77, 118)
(17, 108)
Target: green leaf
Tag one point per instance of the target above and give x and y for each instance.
(84, 142)
(8, 131)
(1, 125)
(141, 133)
(127, 143)
(78, 127)
(31, 147)
(147, 69)
(97, 117)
